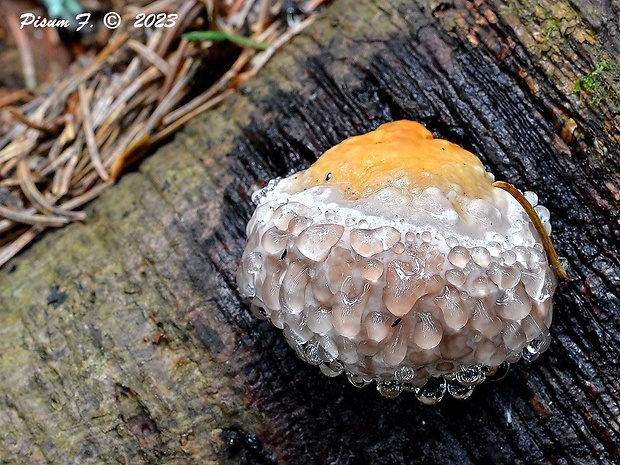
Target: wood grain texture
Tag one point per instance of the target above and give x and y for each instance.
(124, 340)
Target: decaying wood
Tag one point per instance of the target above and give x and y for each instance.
(124, 340)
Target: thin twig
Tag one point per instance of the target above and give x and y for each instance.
(312, 5)
(32, 193)
(14, 150)
(188, 116)
(14, 97)
(65, 176)
(23, 45)
(9, 251)
(187, 13)
(90, 134)
(535, 219)
(83, 199)
(263, 14)
(175, 65)
(150, 56)
(18, 115)
(174, 95)
(33, 218)
(214, 10)
(219, 86)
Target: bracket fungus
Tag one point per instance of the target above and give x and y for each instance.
(395, 258)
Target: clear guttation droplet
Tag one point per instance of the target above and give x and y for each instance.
(328, 349)
(508, 257)
(348, 309)
(316, 241)
(535, 347)
(481, 256)
(331, 369)
(496, 373)
(456, 277)
(319, 320)
(454, 312)
(484, 320)
(404, 374)
(532, 326)
(259, 310)
(427, 333)
(396, 349)
(372, 270)
(514, 304)
(403, 287)
(254, 262)
(398, 248)
(357, 380)
(311, 352)
(543, 213)
(531, 197)
(459, 256)
(458, 390)
(470, 376)
(297, 224)
(293, 337)
(293, 287)
(270, 291)
(481, 287)
(274, 241)
(389, 389)
(378, 325)
(283, 214)
(347, 350)
(432, 392)
(514, 338)
(369, 242)
(539, 286)
(505, 277)
(494, 248)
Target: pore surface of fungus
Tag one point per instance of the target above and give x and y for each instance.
(394, 258)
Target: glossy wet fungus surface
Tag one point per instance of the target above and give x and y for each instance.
(394, 259)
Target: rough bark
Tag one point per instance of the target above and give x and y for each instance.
(124, 340)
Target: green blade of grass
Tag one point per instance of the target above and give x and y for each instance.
(221, 35)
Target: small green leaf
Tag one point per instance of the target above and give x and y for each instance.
(221, 35)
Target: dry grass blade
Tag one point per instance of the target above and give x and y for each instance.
(74, 138)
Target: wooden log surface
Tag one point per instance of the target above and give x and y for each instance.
(124, 340)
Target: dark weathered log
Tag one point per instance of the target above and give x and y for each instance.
(124, 340)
